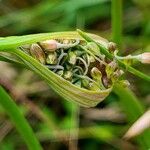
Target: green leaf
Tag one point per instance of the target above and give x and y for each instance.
(19, 121)
(133, 109)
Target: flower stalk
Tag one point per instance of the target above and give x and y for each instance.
(143, 58)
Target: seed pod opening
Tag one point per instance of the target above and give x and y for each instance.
(76, 68)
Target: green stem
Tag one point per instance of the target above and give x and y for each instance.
(18, 119)
(74, 127)
(111, 57)
(116, 22)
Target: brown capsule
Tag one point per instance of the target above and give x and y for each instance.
(37, 52)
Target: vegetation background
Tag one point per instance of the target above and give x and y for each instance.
(57, 123)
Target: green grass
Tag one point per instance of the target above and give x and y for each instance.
(19, 121)
(128, 101)
(116, 21)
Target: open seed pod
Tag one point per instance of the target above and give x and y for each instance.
(73, 67)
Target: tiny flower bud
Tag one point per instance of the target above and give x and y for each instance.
(51, 58)
(49, 45)
(145, 58)
(37, 53)
(72, 58)
(67, 75)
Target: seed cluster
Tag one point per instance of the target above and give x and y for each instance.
(79, 62)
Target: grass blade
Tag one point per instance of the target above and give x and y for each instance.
(116, 22)
(133, 109)
(18, 119)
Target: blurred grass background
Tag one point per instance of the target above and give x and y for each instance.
(54, 120)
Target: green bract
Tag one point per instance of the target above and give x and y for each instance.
(79, 75)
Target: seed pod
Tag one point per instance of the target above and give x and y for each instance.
(51, 58)
(65, 88)
(37, 53)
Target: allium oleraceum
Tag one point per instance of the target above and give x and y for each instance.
(73, 67)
